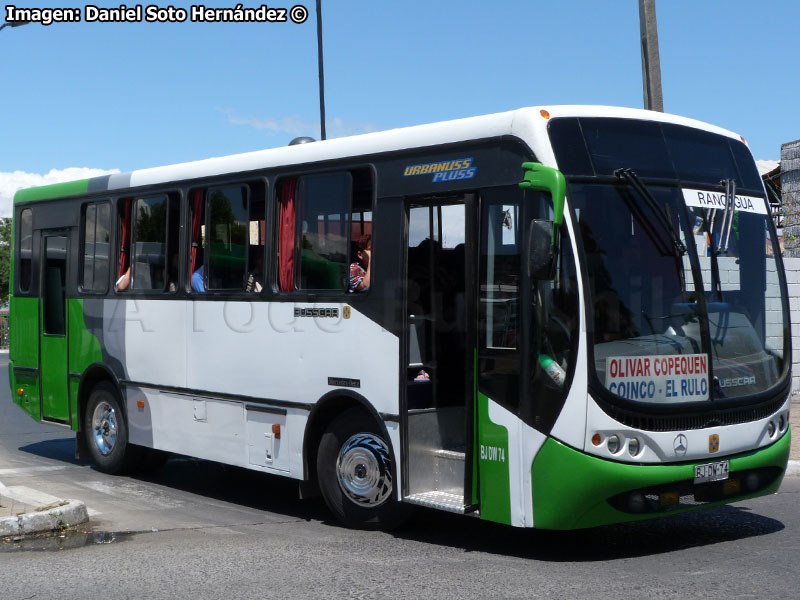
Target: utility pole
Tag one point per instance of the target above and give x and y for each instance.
(651, 63)
(321, 71)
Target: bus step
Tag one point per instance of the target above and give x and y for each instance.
(446, 501)
(449, 454)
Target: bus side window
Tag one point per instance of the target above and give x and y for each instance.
(228, 238)
(95, 241)
(320, 219)
(148, 235)
(25, 249)
(150, 216)
(324, 223)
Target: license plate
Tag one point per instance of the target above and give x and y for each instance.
(716, 471)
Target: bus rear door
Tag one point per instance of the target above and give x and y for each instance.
(53, 326)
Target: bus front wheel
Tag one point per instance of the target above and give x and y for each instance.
(106, 430)
(356, 473)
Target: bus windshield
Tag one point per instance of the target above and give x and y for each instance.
(685, 293)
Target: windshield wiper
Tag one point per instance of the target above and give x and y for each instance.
(729, 185)
(632, 179)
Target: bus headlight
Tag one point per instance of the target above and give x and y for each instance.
(634, 446)
(771, 428)
(613, 444)
(781, 423)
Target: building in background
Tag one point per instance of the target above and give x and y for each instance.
(789, 177)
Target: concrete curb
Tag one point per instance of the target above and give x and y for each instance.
(793, 468)
(69, 513)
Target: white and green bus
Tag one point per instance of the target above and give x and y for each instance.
(574, 316)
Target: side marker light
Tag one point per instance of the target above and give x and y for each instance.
(276, 431)
(140, 403)
(597, 439)
(20, 391)
(545, 114)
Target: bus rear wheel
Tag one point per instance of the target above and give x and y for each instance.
(106, 430)
(356, 471)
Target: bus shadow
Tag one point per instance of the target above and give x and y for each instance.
(627, 540)
(235, 485)
(243, 487)
(60, 449)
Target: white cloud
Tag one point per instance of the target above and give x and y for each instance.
(296, 126)
(17, 180)
(765, 166)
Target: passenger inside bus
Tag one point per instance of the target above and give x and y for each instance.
(360, 270)
(123, 282)
(255, 276)
(198, 284)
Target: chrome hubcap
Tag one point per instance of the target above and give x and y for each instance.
(364, 470)
(104, 424)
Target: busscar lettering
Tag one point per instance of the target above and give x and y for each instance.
(43, 16)
(330, 313)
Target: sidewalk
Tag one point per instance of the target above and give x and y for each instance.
(26, 511)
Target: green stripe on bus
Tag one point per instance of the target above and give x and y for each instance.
(24, 331)
(570, 488)
(49, 192)
(84, 349)
(494, 474)
(24, 352)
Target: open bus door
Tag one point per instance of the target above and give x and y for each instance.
(439, 352)
(53, 326)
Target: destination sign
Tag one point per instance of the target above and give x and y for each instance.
(717, 200)
(677, 378)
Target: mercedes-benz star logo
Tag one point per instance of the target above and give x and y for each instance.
(680, 444)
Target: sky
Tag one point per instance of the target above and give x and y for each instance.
(84, 99)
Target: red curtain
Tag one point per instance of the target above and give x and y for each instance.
(197, 216)
(126, 236)
(286, 235)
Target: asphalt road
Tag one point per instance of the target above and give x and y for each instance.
(199, 530)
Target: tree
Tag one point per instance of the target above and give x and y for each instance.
(5, 257)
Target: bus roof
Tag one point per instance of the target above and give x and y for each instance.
(527, 124)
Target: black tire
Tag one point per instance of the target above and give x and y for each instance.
(356, 473)
(106, 431)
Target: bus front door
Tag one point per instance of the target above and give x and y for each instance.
(439, 361)
(53, 324)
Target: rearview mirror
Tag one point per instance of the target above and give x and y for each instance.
(541, 250)
(547, 179)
